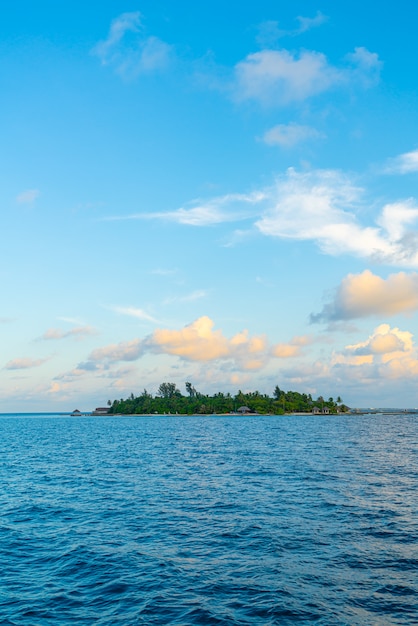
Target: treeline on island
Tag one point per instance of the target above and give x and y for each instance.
(169, 399)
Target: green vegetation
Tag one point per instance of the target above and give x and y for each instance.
(169, 399)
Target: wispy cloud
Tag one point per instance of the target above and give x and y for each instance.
(129, 51)
(289, 135)
(366, 67)
(191, 297)
(28, 197)
(24, 363)
(119, 27)
(72, 320)
(78, 333)
(363, 295)
(227, 208)
(323, 206)
(269, 32)
(197, 216)
(134, 312)
(307, 23)
(406, 163)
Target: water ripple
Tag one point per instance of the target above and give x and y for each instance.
(208, 520)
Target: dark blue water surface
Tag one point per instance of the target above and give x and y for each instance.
(209, 520)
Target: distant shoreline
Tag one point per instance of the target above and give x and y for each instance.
(352, 413)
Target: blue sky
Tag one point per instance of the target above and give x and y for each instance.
(218, 193)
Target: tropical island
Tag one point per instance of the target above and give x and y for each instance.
(169, 399)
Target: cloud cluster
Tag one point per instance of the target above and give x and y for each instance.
(383, 342)
(365, 294)
(200, 342)
(388, 353)
(372, 369)
(269, 76)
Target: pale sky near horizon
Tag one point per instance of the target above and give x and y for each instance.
(220, 193)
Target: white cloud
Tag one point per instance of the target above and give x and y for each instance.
(213, 212)
(315, 205)
(406, 163)
(196, 216)
(365, 294)
(288, 135)
(28, 196)
(397, 216)
(128, 51)
(281, 77)
(321, 206)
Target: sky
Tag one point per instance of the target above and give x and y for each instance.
(219, 193)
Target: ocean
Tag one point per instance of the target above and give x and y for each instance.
(193, 520)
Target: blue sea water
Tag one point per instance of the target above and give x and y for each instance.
(208, 520)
